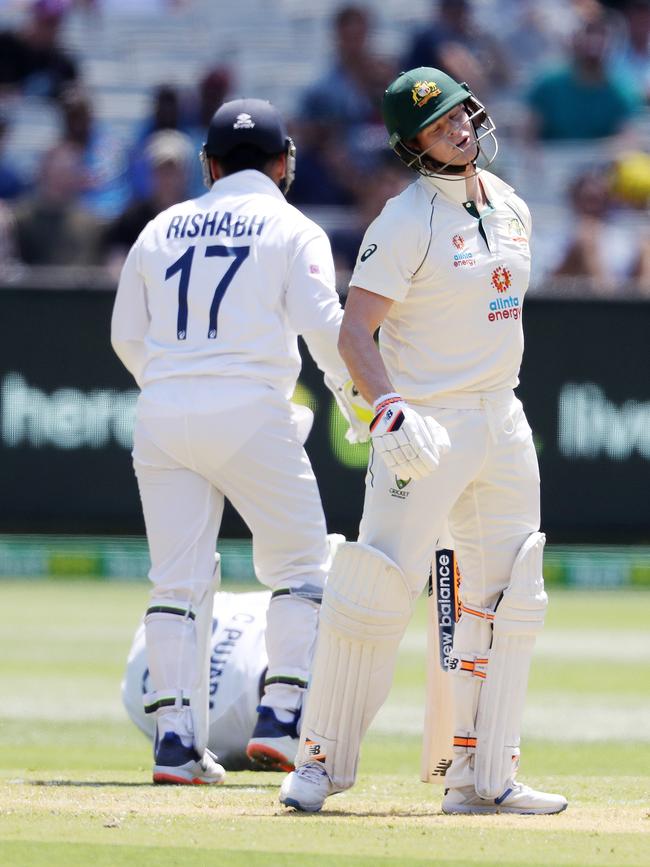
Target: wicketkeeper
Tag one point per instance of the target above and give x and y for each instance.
(209, 306)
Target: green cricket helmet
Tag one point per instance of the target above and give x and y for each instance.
(418, 98)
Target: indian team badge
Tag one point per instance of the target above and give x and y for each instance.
(458, 241)
(243, 121)
(501, 278)
(423, 91)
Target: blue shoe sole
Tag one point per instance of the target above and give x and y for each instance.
(291, 802)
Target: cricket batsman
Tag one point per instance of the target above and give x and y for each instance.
(443, 270)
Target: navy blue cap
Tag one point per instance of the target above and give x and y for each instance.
(246, 122)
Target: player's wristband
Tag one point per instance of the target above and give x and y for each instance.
(384, 399)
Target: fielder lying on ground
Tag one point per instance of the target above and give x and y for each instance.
(238, 663)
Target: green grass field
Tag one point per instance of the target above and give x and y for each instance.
(74, 773)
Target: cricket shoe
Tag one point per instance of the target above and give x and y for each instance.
(516, 798)
(181, 765)
(274, 744)
(307, 787)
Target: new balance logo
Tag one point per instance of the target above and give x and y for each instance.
(314, 751)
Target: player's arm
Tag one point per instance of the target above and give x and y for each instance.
(408, 443)
(130, 319)
(364, 313)
(314, 311)
(313, 305)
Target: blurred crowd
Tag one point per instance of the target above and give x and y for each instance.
(567, 82)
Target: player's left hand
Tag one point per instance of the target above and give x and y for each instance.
(407, 442)
(355, 410)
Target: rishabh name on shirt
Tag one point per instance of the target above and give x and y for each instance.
(457, 283)
(222, 285)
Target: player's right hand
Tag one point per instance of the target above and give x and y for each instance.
(409, 443)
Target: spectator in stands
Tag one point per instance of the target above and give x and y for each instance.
(11, 183)
(583, 99)
(603, 255)
(323, 175)
(336, 109)
(388, 179)
(51, 228)
(166, 114)
(630, 176)
(213, 90)
(535, 34)
(169, 154)
(32, 59)
(350, 91)
(632, 58)
(106, 185)
(454, 42)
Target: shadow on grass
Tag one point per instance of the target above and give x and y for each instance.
(369, 814)
(98, 784)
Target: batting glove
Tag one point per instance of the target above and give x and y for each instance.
(409, 443)
(355, 410)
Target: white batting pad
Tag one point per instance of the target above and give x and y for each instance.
(199, 702)
(178, 652)
(519, 617)
(366, 608)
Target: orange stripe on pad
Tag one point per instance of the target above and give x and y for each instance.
(468, 665)
(467, 743)
(483, 615)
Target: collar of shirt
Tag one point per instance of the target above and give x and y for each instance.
(496, 190)
(247, 181)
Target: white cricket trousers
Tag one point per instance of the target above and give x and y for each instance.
(199, 440)
(487, 485)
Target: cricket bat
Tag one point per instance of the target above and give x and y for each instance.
(443, 609)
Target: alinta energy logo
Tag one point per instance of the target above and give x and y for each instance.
(503, 307)
(462, 257)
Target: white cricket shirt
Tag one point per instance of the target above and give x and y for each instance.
(222, 285)
(237, 662)
(458, 284)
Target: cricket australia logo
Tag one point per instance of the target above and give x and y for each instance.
(501, 279)
(398, 491)
(423, 91)
(243, 121)
(516, 231)
(458, 241)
